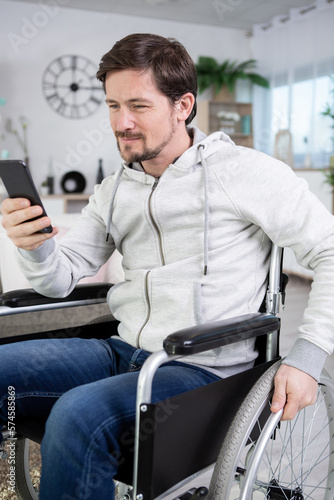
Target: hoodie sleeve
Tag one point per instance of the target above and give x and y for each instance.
(56, 266)
(266, 192)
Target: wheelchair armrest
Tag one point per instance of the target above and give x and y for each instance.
(87, 293)
(202, 338)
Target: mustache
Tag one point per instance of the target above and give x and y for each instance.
(128, 135)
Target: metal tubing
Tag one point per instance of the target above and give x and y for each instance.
(271, 424)
(273, 294)
(6, 311)
(144, 395)
(272, 346)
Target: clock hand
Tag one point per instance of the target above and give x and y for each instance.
(63, 86)
(66, 94)
(75, 86)
(91, 88)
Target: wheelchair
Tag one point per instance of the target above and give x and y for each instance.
(233, 437)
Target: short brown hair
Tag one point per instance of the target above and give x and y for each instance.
(173, 69)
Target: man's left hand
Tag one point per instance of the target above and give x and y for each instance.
(294, 389)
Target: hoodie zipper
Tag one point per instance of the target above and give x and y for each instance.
(148, 309)
(155, 225)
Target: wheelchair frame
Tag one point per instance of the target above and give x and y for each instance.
(150, 482)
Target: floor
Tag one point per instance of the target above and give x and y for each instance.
(297, 295)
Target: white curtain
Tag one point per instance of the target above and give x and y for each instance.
(296, 53)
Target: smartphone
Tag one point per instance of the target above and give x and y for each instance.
(19, 184)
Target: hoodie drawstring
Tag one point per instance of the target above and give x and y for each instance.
(113, 194)
(206, 209)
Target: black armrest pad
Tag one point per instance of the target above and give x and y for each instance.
(204, 337)
(28, 297)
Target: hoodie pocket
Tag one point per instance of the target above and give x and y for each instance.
(127, 303)
(174, 305)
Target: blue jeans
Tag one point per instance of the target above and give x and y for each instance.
(87, 389)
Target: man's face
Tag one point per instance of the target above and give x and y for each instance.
(142, 118)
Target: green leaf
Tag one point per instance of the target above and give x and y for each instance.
(259, 80)
(206, 64)
(210, 72)
(329, 176)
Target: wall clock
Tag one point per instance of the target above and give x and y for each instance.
(70, 86)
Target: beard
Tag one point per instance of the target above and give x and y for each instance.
(146, 153)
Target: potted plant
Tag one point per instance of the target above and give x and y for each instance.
(219, 75)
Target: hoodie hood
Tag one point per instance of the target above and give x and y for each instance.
(210, 145)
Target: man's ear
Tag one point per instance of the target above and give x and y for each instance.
(184, 106)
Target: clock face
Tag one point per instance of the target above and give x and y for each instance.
(70, 86)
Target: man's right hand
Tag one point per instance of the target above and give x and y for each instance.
(26, 236)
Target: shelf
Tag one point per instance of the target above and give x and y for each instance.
(74, 196)
(209, 122)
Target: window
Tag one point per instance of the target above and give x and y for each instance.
(298, 107)
(295, 52)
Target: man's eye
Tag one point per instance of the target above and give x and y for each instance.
(112, 105)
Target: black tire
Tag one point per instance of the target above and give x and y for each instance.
(27, 469)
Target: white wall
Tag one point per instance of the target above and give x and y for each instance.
(32, 35)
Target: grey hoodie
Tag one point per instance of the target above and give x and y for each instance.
(195, 246)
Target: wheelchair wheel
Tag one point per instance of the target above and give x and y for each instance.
(28, 469)
(297, 460)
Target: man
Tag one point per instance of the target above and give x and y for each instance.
(193, 217)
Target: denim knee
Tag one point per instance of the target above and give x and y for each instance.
(80, 452)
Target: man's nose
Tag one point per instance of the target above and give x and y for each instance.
(125, 120)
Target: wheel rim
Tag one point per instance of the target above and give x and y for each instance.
(299, 463)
